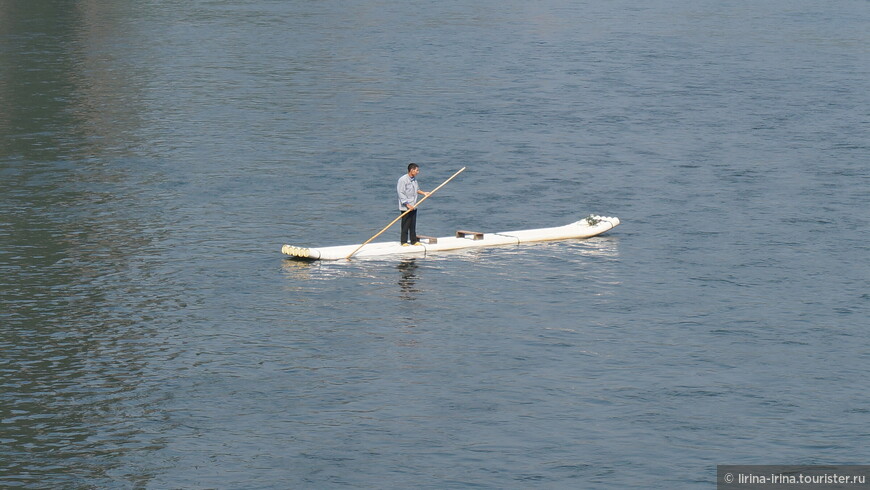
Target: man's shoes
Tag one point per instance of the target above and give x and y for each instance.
(406, 244)
(417, 243)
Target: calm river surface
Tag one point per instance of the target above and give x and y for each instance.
(154, 157)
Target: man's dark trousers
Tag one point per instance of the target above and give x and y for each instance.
(409, 227)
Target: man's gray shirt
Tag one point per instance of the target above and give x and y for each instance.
(407, 189)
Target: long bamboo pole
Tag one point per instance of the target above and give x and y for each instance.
(406, 212)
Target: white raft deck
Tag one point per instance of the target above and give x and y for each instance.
(585, 228)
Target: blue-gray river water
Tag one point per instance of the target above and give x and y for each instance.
(154, 157)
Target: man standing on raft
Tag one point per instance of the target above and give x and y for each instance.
(408, 189)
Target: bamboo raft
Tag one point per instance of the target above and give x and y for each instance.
(584, 228)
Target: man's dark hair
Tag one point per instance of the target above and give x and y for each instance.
(412, 166)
